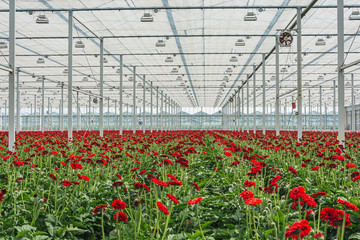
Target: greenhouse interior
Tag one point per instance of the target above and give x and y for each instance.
(165, 119)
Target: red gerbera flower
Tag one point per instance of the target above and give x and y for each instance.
(172, 198)
(159, 182)
(318, 235)
(120, 217)
(327, 214)
(319, 194)
(117, 184)
(246, 195)
(248, 183)
(162, 207)
(228, 154)
(297, 192)
(332, 165)
(196, 186)
(99, 209)
(357, 178)
(309, 200)
(117, 204)
(349, 205)
(66, 183)
(195, 201)
(350, 165)
(53, 177)
(253, 201)
(301, 228)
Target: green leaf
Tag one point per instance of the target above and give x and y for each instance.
(75, 230)
(206, 224)
(195, 235)
(61, 232)
(268, 232)
(41, 237)
(355, 236)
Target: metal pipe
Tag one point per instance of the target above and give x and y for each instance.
(254, 98)
(12, 65)
(42, 127)
(299, 76)
(352, 104)
(264, 100)
(151, 107)
(121, 96)
(277, 102)
(70, 72)
(143, 117)
(340, 48)
(101, 107)
(134, 100)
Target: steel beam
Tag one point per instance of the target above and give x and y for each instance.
(12, 65)
(70, 72)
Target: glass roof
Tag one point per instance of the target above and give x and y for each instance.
(200, 42)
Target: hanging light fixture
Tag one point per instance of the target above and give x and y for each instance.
(147, 17)
(179, 78)
(233, 59)
(169, 60)
(118, 70)
(79, 44)
(160, 43)
(229, 70)
(174, 70)
(130, 79)
(284, 70)
(66, 71)
(307, 84)
(40, 60)
(105, 60)
(42, 19)
(355, 15)
(348, 84)
(39, 90)
(39, 79)
(240, 43)
(85, 79)
(226, 78)
(250, 16)
(321, 78)
(3, 45)
(320, 42)
(273, 78)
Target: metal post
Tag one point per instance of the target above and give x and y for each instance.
(31, 119)
(127, 115)
(157, 108)
(18, 107)
(239, 110)
(42, 104)
(116, 118)
(108, 114)
(12, 56)
(340, 48)
(254, 97)
(299, 76)
(70, 75)
(48, 114)
(309, 117)
(61, 108)
(277, 101)
(134, 100)
(77, 112)
(242, 105)
(121, 96)
(320, 108)
(161, 111)
(352, 104)
(101, 107)
(334, 107)
(35, 120)
(285, 104)
(263, 93)
(89, 112)
(143, 117)
(151, 107)
(247, 105)
(325, 116)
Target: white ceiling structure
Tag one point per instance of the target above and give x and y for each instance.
(199, 39)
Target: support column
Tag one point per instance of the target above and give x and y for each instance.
(18, 107)
(340, 48)
(12, 56)
(161, 111)
(35, 122)
(151, 107)
(121, 97)
(143, 117)
(263, 93)
(89, 112)
(242, 105)
(309, 110)
(127, 116)
(352, 104)
(277, 101)
(61, 108)
(134, 100)
(247, 105)
(325, 116)
(116, 118)
(254, 97)
(108, 115)
(48, 115)
(77, 112)
(101, 107)
(42, 104)
(334, 107)
(157, 108)
(299, 76)
(70, 75)
(320, 109)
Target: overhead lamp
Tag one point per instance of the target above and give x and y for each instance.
(355, 15)
(85, 79)
(40, 60)
(348, 84)
(39, 79)
(66, 71)
(240, 43)
(226, 78)
(118, 70)
(39, 90)
(160, 43)
(3, 45)
(105, 60)
(174, 70)
(233, 59)
(250, 16)
(169, 60)
(79, 44)
(273, 78)
(321, 78)
(42, 19)
(179, 78)
(59, 84)
(283, 70)
(182, 84)
(306, 84)
(320, 42)
(147, 17)
(229, 70)
(130, 79)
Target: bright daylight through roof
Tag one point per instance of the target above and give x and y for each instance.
(191, 119)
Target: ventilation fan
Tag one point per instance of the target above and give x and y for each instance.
(285, 39)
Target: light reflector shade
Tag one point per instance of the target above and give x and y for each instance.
(240, 43)
(40, 61)
(160, 43)
(3, 45)
(233, 59)
(320, 42)
(355, 15)
(147, 17)
(169, 59)
(42, 19)
(250, 16)
(79, 44)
